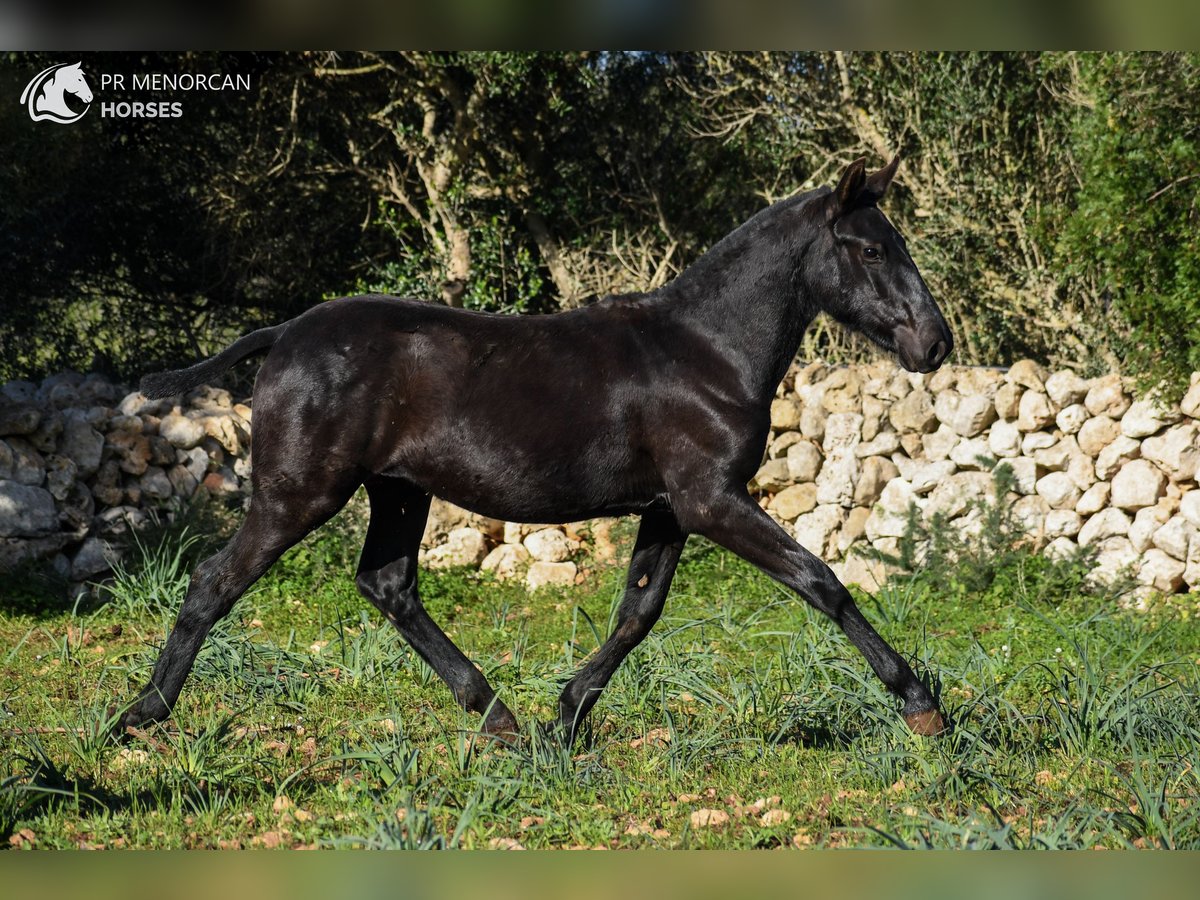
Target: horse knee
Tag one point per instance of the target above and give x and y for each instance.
(391, 594)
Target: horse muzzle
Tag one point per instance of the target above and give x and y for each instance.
(924, 348)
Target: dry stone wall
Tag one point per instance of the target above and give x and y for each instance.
(82, 460)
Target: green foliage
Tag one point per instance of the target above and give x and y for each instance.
(308, 722)
(991, 558)
(1049, 198)
(1135, 226)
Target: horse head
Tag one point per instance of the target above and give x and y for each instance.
(71, 80)
(864, 277)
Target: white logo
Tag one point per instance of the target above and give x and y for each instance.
(45, 98)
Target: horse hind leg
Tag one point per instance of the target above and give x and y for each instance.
(387, 576)
(278, 518)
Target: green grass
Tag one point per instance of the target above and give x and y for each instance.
(308, 721)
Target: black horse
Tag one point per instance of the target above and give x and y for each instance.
(653, 404)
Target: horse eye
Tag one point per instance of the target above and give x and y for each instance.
(871, 253)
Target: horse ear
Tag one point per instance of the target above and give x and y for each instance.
(851, 182)
(878, 182)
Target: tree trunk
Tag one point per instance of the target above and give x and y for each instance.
(564, 281)
(458, 263)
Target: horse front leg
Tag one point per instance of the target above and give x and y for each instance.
(655, 555)
(737, 523)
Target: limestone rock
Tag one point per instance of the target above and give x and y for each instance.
(873, 411)
(853, 529)
(1061, 548)
(550, 545)
(1027, 373)
(813, 530)
(835, 481)
(1107, 523)
(773, 476)
(1063, 523)
(550, 574)
(842, 391)
(1106, 397)
(1024, 473)
(1029, 513)
(1137, 483)
(953, 496)
(18, 418)
(973, 414)
(94, 557)
(26, 510)
(1008, 401)
(81, 442)
(803, 461)
(779, 446)
(794, 501)
(221, 481)
(506, 561)
(885, 443)
(1082, 469)
(1145, 417)
(1096, 434)
(889, 518)
(1115, 559)
(106, 486)
(61, 473)
(945, 404)
(938, 444)
(1190, 405)
(785, 415)
(1004, 440)
(876, 472)
(1115, 455)
(868, 574)
(1145, 522)
(812, 422)
(1189, 507)
(1071, 418)
(1191, 572)
(1058, 490)
(182, 481)
(463, 547)
(46, 438)
(1093, 499)
(443, 518)
(1176, 451)
(1055, 457)
(1035, 411)
(914, 413)
(1174, 536)
(181, 431)
(1161, 571)
(1034, 441)
(972, 454)
(1066, 388)
(927, 476)
(155, 484)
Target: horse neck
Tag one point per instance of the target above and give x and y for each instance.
(746, 297)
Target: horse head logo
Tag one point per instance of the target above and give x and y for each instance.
(45, 96)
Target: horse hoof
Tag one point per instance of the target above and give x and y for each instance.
(927, 723)
(501, 729)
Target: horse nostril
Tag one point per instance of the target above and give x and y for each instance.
(937, 353)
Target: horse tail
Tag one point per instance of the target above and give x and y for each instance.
(168, 384)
